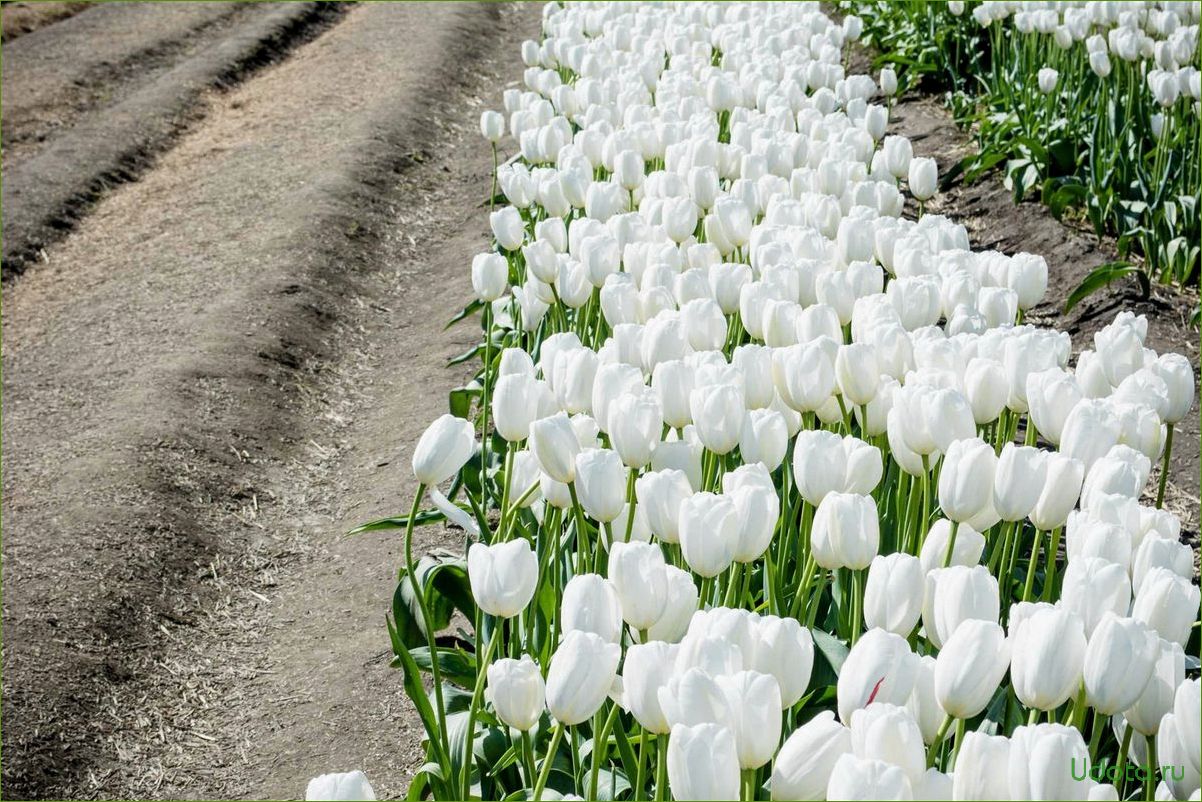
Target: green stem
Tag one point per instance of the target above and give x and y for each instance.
(1033, 716)
(661, 768)
(933, 749)
(581, 530)
(548, 759)
(1164, 466)
(435, 671)
(640, 776)
(951, 544)
(1150, 776)
(630, 502)
(1049, 579)
(1124, 751)
(1030, 583)
(599, 749)
(477, 693)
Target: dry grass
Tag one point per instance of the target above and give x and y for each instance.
(18, 17)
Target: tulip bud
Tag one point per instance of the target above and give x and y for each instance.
(1118, 662)
(982, 767)
(601, 483)
(1094, 587)
(1018, 481)
(804, 374)
(755, 704)
(635, 426)
(969, 546)
(923, 177)
(490, 274)
(846, 531)
(507, 227)
(889, 733)
(819, 464)
(503, 576)
(637, 573)
(1041, 760)
(966, 479)
(806, 761)
(1048, 658)
(680, 603)
(970, 667)
(893, 593)
(955, 595)
(1090, 430)
(348, 785)
(1180, 776)
(709, 533)
(444, 448)
(1051, 396)
(717, 413)
(784, 649)
(703, 763)
(1188, 710)
(1157, 697)
(1059, 496)
(590, 604)
(581, 676)
(553, 441)
(517, 691)
(518, 400)
(1178, 376)
(857, 373)
(648, 668)
(1168, 603)
(1047, 79)
(879, 668)
(764, 439)
(860, 778)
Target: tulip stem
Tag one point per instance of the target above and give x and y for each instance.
(581, 531)
(933, 750)
(1095, 735)
(630, 501)
(600, 748)
(959, 740)
(484, 407)
(1049, 577)
(1164, 466)
(1124, 752)
(435, 670)
(732, 584)
(951, 544)
(1150, 769)
(528, 756)
(1033, 716)
(661, 768)
(1030, 583)
(477, 693)
(707, 588)
(548, 759)
(857, 605)
(640, 775)
(747, 781)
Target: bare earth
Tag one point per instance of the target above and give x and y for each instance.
(219, 371)
(217, 362)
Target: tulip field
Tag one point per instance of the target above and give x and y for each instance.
(766, 489)
(1091, 107)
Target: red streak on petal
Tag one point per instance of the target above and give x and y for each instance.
(875, 688)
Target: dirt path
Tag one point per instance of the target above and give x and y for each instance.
(90, 102)
(218, 372)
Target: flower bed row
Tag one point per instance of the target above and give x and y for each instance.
(765, 486)
(1091, 106)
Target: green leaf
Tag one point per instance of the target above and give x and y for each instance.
(456, 665)
(466, 355)
(467, 311)
(423, 518)
(1102, 276)
(459, 400)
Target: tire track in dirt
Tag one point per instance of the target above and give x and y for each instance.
(201, 385)
(46, 194)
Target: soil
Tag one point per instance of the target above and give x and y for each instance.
(218, 372)
(220, 358)
(20, 18)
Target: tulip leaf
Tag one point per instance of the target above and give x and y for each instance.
(398, 522)
(834, 650)
(611, 784)
(456, 665)
(1104, 275)
(472, 308)
(414, 688)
